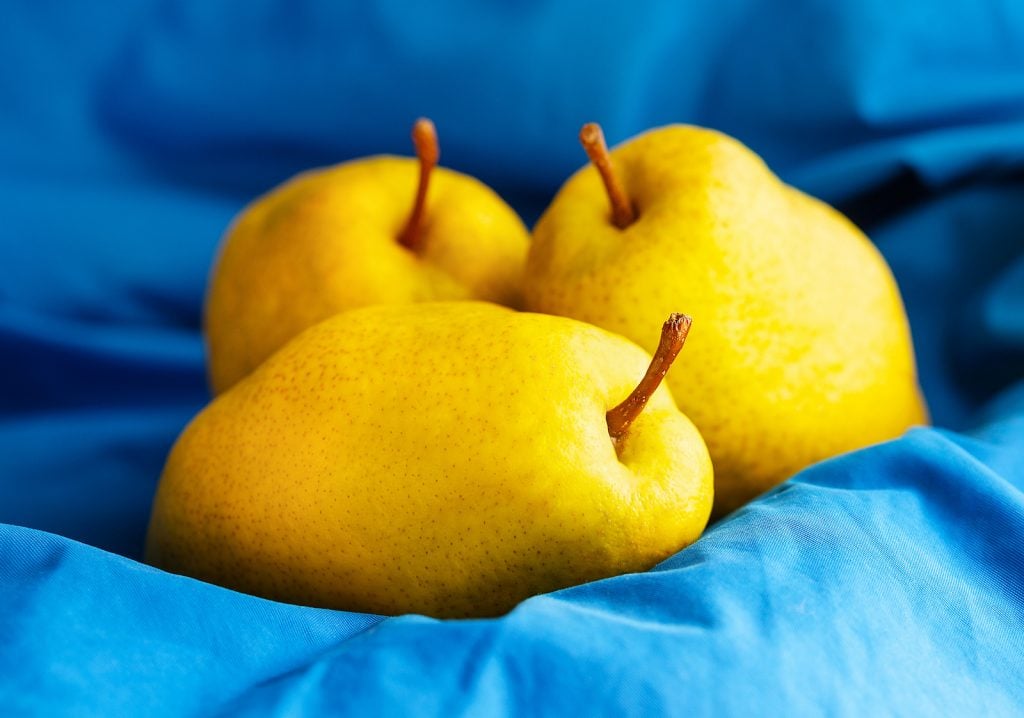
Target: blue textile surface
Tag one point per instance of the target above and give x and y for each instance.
(887, 581)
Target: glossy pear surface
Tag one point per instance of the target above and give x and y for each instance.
(327, 241)
(800, 348)
(450, 459)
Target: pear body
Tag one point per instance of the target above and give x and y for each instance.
(328, 240)
(449, 459)
(800, 347)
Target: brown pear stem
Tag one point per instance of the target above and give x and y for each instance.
(592, 139)
(673, 334)
(424, 138)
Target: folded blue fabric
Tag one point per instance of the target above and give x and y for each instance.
(887, 581)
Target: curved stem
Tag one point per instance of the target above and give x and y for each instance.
(673, 334)
(592, 139)
(424, 139)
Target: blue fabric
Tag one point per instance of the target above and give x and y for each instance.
(887, 581)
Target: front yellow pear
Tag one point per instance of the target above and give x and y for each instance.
(448, 459)
(801, 348)
(381, 230)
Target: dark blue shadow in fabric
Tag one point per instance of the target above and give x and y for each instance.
(887, 581)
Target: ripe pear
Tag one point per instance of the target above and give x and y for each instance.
(380, 230)
(802, 348)
(444, 458)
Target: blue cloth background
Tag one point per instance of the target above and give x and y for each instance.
(888, 581)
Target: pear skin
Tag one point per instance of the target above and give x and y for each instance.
(449, 459)
(338, 238)
(801, 348)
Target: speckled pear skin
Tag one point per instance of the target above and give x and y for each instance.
(449, 459)
(800, 347)
(327, 241)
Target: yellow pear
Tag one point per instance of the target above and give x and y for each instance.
(802, 348)
(444, 458)
(380, 230)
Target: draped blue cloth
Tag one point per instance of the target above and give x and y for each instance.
(886, 581)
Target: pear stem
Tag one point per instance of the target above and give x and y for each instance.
(673, 335)
(424, 139)
(592, 139)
